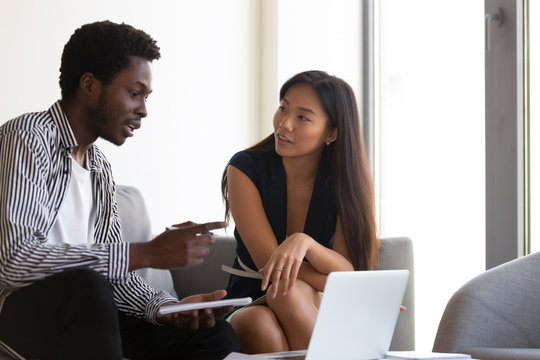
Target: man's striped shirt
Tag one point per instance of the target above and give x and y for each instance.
(35, 169)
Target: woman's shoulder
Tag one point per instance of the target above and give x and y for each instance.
(241, 156)
(259, 167)
(252, 159)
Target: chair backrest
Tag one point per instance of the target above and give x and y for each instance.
(208, 276)
(496, 309)
(136, 227)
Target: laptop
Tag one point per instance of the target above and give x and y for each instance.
(356, 319)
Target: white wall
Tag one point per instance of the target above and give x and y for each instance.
(201, 110)
(207, 86)
(314, 35)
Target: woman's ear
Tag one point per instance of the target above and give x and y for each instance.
(332, 136)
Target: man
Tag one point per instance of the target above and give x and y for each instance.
(67, 290)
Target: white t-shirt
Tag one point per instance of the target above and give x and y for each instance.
(77, 215)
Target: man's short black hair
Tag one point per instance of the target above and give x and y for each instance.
(102, 48)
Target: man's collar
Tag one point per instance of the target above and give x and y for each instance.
(67, 138)
(59, 117)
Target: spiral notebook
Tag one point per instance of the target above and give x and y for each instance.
(418, 355)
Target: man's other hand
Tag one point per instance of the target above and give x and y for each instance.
(195, 319)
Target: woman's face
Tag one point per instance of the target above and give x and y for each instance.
(301, 124)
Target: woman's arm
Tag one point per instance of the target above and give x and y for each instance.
(286, 262)
(249, 216)
(325, 260)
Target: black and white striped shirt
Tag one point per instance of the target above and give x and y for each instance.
(35, 169)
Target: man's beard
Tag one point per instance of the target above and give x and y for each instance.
(102, 124)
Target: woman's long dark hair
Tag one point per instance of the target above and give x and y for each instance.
(354, 198)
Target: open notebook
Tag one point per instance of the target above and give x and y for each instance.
(356, 319)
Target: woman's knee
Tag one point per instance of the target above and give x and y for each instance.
(258, 330)
(251, 319)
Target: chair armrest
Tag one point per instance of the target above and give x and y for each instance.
(397, 253)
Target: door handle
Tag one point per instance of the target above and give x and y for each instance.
(489, 18)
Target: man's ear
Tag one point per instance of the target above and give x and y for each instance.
(89, 84)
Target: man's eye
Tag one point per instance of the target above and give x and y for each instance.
(282, 108)
(133, 93)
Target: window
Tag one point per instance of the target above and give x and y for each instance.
(431, 136)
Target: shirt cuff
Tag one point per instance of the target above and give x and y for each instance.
(155, 303)
(118, 262)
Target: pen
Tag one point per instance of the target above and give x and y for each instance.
(175, 228)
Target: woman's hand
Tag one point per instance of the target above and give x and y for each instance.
(283, 266)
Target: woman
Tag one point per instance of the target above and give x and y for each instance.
(302, 201)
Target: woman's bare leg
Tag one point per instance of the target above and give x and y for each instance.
(296, 313)
(258, 330)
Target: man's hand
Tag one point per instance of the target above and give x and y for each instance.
(195, 319)
(184, 245)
